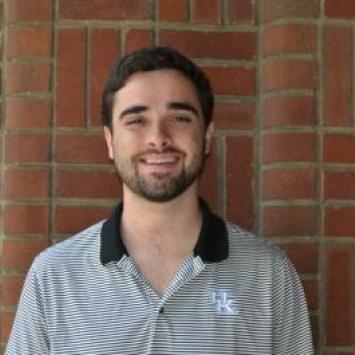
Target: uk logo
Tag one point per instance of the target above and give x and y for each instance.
(223, 303)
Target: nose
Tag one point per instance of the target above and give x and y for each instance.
(159, 137)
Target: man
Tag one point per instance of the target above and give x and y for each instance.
(162, 275)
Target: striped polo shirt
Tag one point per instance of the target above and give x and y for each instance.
(233, 294)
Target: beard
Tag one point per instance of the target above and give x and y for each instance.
(160, 187)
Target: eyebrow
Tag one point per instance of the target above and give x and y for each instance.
(133, 109)
(182, 106)
(175, 105)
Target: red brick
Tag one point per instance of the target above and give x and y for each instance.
(21, 77)
(70, 108)
(234, 115)
(275, 9)
(209, 181)
(339, 221)
(172, 10)
(80, 148)
(104, 53)
(88, 184)
(11, 285)
(290, 74)
(7, 319)
(22, 183)
(289, 184)
(240, 11)
(340, 296)
(337, 76)
(26, 219)
(28, 10)
(284, 147)
(105, 9)
(27, 147)
(27, 113)
(339, 184)
(19, 254)
(283, 39)
(290, 221)
(239, 180)
(311, 291)
(340, 9)
(339, 148)
(72, 219)
(136, 39)
(304, 256)
(231, 81)
(289, 111)
(28, 42)
(206, 11)
(219, 45)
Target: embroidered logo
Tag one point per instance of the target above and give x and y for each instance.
(223, 303)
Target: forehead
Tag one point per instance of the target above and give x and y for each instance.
(156, 87)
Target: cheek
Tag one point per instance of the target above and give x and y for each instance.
(128, 146)
(192, 145)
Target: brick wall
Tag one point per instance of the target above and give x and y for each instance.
(283, 163)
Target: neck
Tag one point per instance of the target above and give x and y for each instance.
(173, 226)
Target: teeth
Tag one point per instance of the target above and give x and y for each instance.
(157, 160)
(149, 161)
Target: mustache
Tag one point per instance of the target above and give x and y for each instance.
(158, 152)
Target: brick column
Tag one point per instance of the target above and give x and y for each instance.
(338, 173)
(290, 158)
(308, 156)
(221, 37)
(26, 134)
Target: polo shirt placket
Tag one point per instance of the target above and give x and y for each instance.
(190, 268)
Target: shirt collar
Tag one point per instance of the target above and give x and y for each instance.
(211, 246)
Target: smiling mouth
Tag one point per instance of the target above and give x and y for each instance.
(161, 164)
(159, 160)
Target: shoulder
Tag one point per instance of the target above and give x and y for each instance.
(257, 258)
(84, 246)
(245, 245)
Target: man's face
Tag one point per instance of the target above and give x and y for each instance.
(158, 139)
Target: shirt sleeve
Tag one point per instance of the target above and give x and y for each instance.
(292, 333)
(29, 334)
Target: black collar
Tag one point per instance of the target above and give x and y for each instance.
(212, 244)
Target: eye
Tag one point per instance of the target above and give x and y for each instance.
(182, 119)
(135, 121)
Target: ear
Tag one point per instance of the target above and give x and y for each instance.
(109, 141)
(209, 136)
